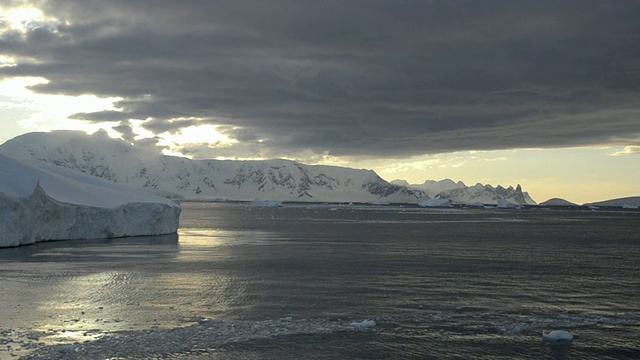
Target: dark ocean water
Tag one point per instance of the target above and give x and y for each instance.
(440, 284)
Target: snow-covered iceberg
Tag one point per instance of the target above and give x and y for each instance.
(41, 202)
(434, 203)
(506, 204)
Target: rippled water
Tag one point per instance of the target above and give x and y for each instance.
(286, 283)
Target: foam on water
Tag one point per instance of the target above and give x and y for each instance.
(206, 334)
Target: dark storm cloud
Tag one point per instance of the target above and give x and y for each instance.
(126, 131)
(371, 78)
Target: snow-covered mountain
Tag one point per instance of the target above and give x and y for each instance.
(41, 202)
(487, 194)
(176, 177)
(432, 187)
(459, 193)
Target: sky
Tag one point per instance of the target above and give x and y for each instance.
(545, 94)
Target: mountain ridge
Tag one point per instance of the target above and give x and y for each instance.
(182, 178)
(143, 167)
(460, 193)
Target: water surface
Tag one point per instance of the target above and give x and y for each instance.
(288, 282)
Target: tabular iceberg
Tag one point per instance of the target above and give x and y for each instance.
(41, 202)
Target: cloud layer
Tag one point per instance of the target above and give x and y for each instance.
(371, 78)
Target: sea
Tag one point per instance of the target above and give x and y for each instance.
(326, 281)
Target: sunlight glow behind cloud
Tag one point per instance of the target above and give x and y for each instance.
(50, 112)
(18, 18)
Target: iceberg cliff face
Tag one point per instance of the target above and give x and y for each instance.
(39, 202)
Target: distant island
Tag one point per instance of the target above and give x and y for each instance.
(626, 202)
(557, 202)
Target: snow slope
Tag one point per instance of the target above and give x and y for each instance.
(459, 193)
(283, 180)
(41, 202)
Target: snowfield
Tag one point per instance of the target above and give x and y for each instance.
(42, 202)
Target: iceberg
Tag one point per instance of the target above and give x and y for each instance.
(435, 203)
(506, 204)
(43, 202)
(557, 336)
(266, 203)
(364, 324)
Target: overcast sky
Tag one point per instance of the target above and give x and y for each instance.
(354, 81)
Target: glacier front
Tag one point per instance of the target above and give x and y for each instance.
(42, 202)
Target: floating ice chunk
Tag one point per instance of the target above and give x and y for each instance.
(557, 336)
(266, 203)
(42, 202)
(505, 204)
(435, 203)
(364, 324)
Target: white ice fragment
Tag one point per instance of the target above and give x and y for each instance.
(266, 203)
(557, 336)
(505, 204)
(364, 324)
(434, 203)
